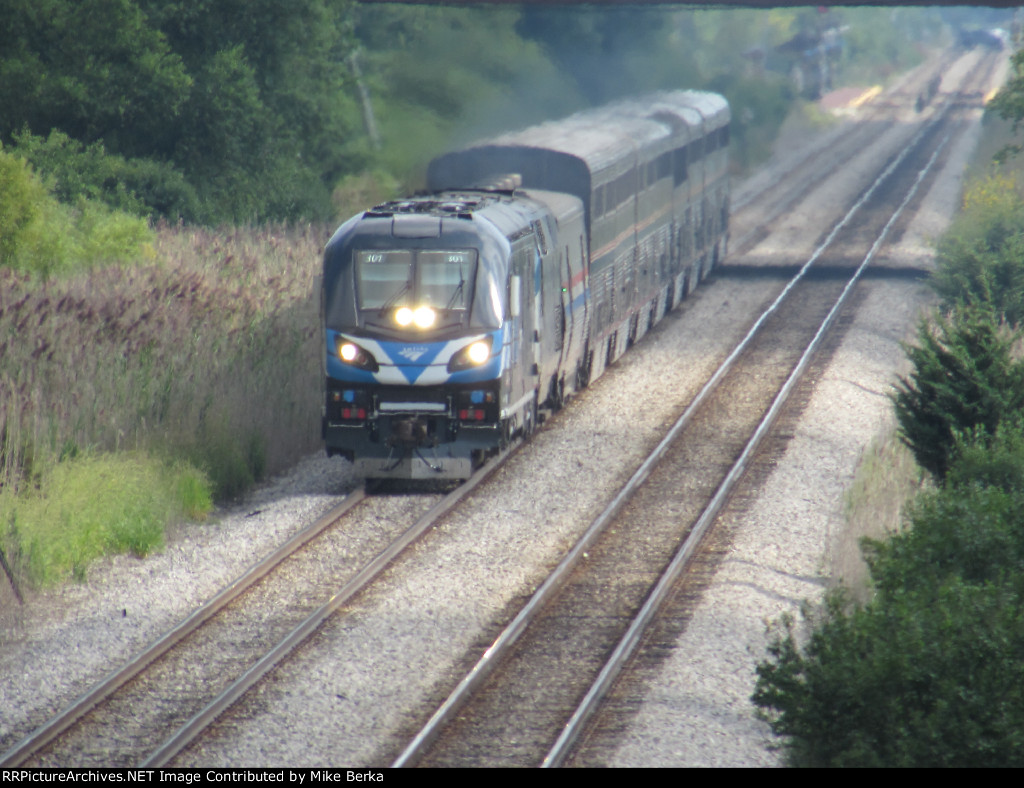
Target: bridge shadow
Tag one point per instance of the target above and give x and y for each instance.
(822, 271)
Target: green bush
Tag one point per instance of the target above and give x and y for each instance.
(984, 460)
(41, 235)
(964, 375)
(23, 200)
(193, 492)
(980, 259)
(88, 506)
(974, 533)
(232, 459)
(928, 678)
(927, 672)
(972, 272)
(143, 187)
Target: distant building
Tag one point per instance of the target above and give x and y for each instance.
(814, 58)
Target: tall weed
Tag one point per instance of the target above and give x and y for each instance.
(206, 351)
(219, 336)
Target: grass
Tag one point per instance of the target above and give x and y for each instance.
(90, 506)
(886, 479)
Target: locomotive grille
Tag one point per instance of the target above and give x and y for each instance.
(411, 394)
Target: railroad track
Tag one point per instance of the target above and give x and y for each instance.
(102, 729)
(148, 709)
(529, 698)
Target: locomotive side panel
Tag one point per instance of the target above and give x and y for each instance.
(562, 290)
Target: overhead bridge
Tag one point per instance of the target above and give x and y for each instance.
(700, 3)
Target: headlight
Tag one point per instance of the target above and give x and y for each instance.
(351, 353)
(423, 317)
(403, 316)
(473, 355)
(479, 352)
(348, 352)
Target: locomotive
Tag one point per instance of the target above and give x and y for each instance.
(454, 320)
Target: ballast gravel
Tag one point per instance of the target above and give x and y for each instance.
(347, 697)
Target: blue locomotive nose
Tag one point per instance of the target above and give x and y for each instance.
(411, 360)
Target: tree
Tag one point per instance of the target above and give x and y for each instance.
(964, 375)
(611, 52)
(927, 672)
(250, 102)
(440, 77)
(96, 69)
(1009, 101)
(271, 120)
(980, 258)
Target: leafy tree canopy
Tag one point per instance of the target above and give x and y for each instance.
(928, 672)
(96, 69)
(925, 679)
(244, 100)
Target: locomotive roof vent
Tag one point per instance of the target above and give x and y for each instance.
(462, 206)
(448, 205)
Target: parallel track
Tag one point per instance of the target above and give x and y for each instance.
(817, 161)
(530, 696)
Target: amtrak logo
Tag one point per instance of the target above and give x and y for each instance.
(412, 353)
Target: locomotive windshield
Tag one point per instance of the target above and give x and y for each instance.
(440, 279)
(385, 279)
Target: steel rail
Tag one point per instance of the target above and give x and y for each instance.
(503, 644)
(199, 722)
(115, 680)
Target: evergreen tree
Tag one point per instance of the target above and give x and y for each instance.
(964, 375)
